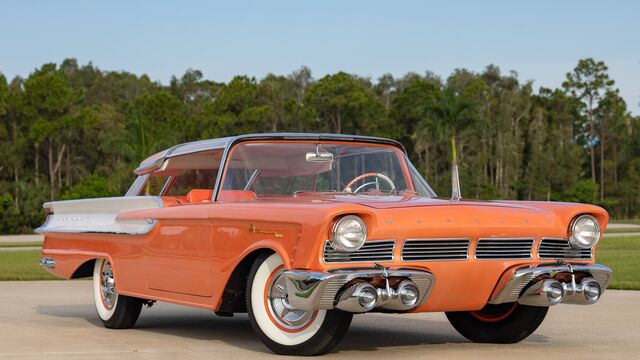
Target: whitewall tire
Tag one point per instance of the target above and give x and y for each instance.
(283, 329)
(114, 310)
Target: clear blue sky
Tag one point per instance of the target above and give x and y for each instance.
(541, 40)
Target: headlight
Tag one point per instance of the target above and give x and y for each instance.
(584, 232)
(348, 234)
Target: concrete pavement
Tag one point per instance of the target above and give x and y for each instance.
(632, 227)
(21, 238)
(20, 248)
(57, 320)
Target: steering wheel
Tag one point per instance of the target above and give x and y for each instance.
(377, 176)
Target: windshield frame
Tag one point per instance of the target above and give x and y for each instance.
(408, 169)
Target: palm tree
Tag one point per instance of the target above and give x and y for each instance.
(455, 113)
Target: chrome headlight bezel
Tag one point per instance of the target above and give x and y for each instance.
(574, 239)
(337, 238)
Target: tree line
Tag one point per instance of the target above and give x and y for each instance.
(72, 131)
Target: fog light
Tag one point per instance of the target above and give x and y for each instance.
(367, 297)
(591, 290)
(553, 291)
(408, 293)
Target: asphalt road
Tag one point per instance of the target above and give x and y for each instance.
(56, 320)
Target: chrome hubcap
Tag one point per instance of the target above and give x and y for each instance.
(281, 311)
(108, 285)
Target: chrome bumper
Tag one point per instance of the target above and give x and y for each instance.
(552, 283)
(313, 290)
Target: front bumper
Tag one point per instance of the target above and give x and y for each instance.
(552, 283)
(314, 290)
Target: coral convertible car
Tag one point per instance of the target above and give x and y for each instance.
(301, 231)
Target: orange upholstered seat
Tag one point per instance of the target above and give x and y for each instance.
(199, 195)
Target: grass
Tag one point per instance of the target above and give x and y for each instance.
(623, 230)
(22, 265)
(635, 222)
(620, 254)
(20, 244)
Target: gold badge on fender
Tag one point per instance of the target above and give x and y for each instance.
(254, 230)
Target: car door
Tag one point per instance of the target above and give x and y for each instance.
(178, 255)
(180, 252)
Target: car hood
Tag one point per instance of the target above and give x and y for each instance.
(489, 217)
(391, 202)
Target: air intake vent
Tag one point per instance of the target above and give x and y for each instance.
(489, 249)
(560, 249)
(435, 249)
(381, 250)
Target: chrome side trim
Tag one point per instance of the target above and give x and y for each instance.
(167, 185)
(222, 170)
(503, 248)
(436, 249)
(149, 166)
(371, 251)
(514, 281)
(138, 184)
(313, 290)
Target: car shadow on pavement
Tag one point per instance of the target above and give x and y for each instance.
(367, 333)
(388, 332)
(87, 313)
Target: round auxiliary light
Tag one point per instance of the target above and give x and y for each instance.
(367, 297)
(553, 290)
(591, 289)
(408, 294)
(584, 232)
(348, 234)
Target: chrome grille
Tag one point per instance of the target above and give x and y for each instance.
(329, 293)
(435, 249)
(489, 249)
(560, 249)
(378, 250)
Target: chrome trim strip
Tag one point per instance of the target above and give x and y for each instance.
(468, 246)
(222, 169)
(150, 166)
(166, 185)
(252, 179)
(137, 185)
(143, 230)
(504, 249)
(414, 171)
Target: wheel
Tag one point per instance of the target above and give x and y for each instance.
(284, 330)
(115, 311)
(502, 323)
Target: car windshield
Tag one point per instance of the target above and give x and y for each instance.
(315, 168)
